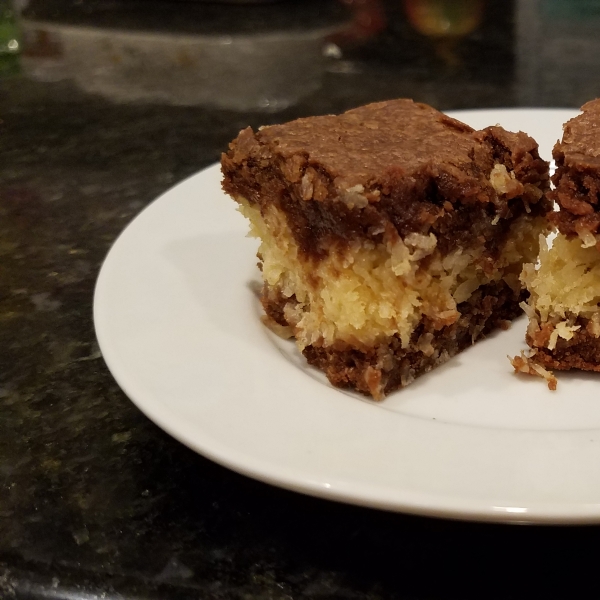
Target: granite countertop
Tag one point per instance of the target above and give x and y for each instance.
(95, 500)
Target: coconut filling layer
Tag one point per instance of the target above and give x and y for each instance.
(564, 286)
(369, 292)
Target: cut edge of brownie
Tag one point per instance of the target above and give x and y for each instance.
(564, 321)
(563, 331)
(577, 177)
(581, 351)
(388, 366)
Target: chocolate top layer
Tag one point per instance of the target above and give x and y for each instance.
(362, 145)
(580, 146)
(394, 165)
(577, 176)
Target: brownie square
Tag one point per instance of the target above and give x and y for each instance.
(564, 306)
(392, 236)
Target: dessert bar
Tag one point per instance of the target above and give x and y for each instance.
(392, 236)
(564, 306)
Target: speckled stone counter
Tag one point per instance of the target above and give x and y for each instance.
(95, 500)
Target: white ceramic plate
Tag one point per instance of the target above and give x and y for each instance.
(178, 322)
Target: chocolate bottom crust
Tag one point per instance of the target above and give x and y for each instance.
(582, 351)
(387, 366)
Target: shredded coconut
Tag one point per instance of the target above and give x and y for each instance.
(525, 364)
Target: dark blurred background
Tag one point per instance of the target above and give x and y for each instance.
(272, 55)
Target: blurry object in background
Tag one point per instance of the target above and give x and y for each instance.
(571, 9)
(235, 57)
(558, 52)
(400, 61)
(368, 19)
(265, 72)
(444, 18)
(236, 1)
(43, 54)
(445, 22)
(10, 45)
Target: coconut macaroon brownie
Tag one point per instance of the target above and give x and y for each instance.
(564, 306)
(392, 236)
